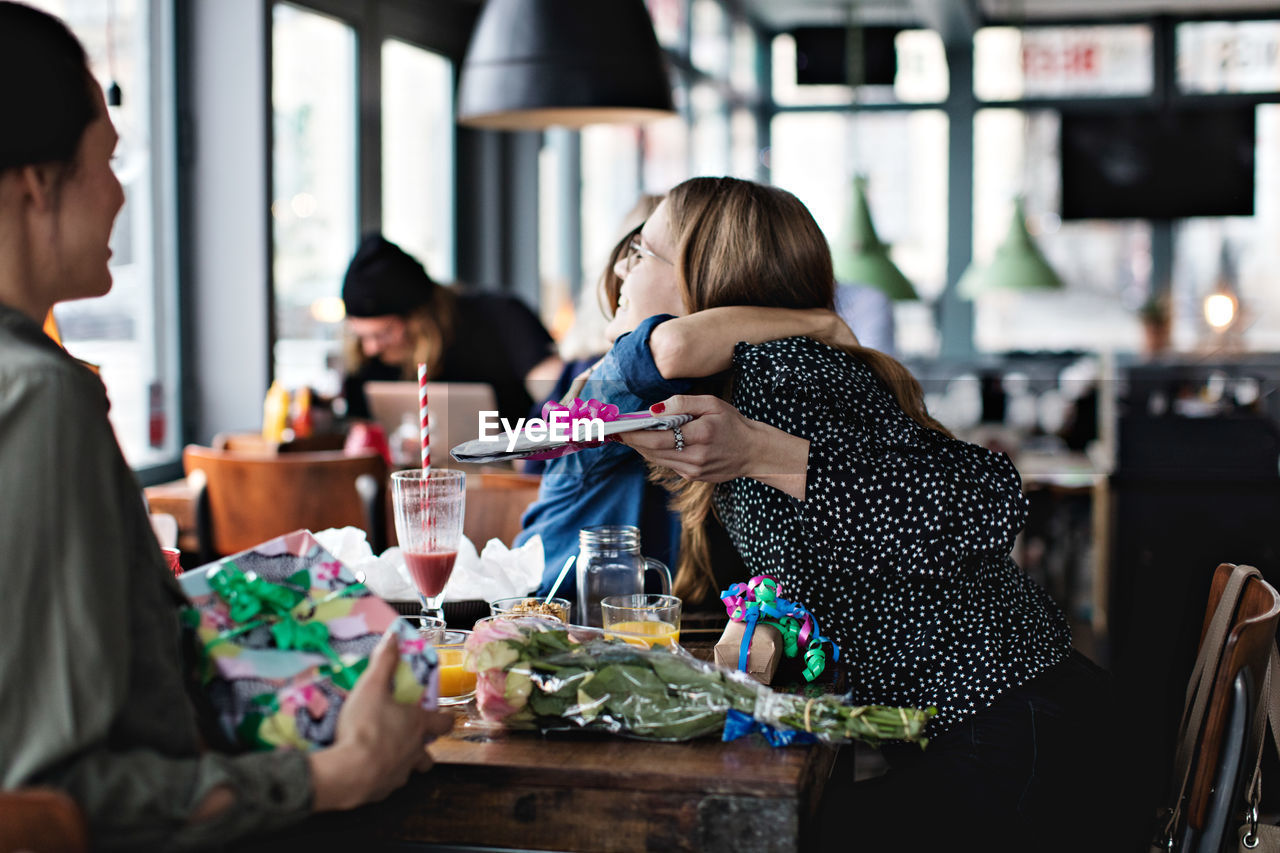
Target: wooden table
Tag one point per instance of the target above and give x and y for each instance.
(573, 791)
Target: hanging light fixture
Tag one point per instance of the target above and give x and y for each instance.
(1018, 265)
(534, 64)
(861, 258)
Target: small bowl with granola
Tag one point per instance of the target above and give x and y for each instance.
(527, 605)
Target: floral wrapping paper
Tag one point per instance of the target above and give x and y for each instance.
(284, 630)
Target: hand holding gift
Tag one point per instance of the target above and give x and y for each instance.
(284, 632)
(375, 747)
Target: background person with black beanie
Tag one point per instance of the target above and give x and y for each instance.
(397, 316)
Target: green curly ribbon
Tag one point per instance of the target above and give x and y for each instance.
(303, 636)
(248, 595)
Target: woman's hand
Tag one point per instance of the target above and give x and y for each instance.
(378, 742)
(720, 444)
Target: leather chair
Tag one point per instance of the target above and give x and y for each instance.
(43, 820)
(243, 500)
(495, 503)
(1228, 741)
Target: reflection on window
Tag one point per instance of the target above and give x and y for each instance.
(665, 153)
(746, 148)
(1047, 62)
(668, 21)
(610, 186)
(1236, 255)
(921, 78)
(1221, 56)
(417, 155)
(710, 34)
(742, 75)
(710, 131)
(313, 206)
(1105, 265)
(904, 156)
(130, 332)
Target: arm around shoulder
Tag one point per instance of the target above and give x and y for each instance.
(701, 344)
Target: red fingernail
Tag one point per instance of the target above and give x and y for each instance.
(658, 408)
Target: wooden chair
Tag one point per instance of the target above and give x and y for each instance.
(43, 820)
(253, 443)
(1230, 737)
(243, 500)
(495, 503)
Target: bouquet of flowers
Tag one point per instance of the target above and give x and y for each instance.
(534, 673)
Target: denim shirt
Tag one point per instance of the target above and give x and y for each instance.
(607, 484)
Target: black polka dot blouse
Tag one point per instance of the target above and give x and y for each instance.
(901, 546)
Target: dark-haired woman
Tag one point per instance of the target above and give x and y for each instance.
(90, 672)
(826, 472)
(397, 317)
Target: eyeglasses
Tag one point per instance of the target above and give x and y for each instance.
(636, 251)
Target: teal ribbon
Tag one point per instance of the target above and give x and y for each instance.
(758, 602)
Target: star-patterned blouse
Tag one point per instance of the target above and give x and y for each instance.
(901, 546)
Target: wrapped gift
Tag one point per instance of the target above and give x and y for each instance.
(759, 603)
(284, 630)
(764, 649)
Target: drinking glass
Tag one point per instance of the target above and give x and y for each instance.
(429, 507)
(642, 620)
(457, 683)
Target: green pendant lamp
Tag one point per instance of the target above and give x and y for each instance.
(534, 64)
(861, 258)
(1018, 265)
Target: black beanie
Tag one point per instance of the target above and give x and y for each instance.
(384, 279)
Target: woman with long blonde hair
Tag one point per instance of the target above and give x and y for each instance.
(826, 471)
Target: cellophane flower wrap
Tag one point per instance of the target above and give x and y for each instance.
(538, 674)
(282, 632)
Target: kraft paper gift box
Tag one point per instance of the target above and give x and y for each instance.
(282, 632)
(765, 653)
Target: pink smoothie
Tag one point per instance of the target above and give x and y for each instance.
(430, 572)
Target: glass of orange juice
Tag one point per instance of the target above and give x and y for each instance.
(642, 620)
(457, 685)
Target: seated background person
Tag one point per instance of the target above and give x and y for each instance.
(397, 316)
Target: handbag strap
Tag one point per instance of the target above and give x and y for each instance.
(1270, 702)
(1199, 688)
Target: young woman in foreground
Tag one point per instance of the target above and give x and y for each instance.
(90, 663)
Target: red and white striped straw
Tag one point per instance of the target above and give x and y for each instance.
(425, 429)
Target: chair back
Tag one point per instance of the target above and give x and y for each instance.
(1231, 733)
(41, 819)
(495, 504)
(243, 500)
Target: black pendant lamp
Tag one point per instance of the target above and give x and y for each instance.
(534, 64)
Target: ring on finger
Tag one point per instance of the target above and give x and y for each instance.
(679, 436)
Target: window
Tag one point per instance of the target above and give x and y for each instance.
(1055, 62)
(921, 76)
(313, 206)
(1104, 265)
(904, 156)
(1221, 56)
(1234, 254)
(417, 155)
(131, 333)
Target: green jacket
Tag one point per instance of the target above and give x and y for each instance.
(91, 682)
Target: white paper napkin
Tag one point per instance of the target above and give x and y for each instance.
(498, 572)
